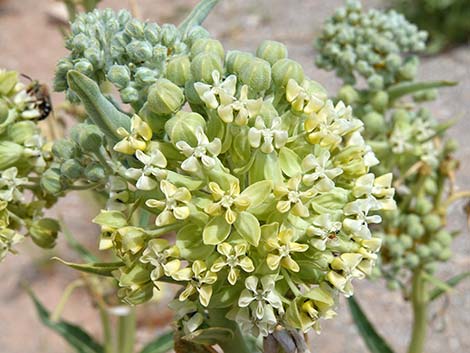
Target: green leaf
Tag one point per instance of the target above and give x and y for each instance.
(437, 282)
(216, 231)
(162, 344)
(80, 340)
(372, 339)
(403, 89)
(197, 15)
(97, 268)
(257, 192)
(209, 336)
(248, 227)
(100, 110)
(290, 162)
(452, 282)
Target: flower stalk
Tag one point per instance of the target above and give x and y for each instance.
(419, 302)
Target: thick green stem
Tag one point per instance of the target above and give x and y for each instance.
(419, 300)
(198, 15)
(235, 345)
(126, 332)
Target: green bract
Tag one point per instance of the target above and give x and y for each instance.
(265, 181)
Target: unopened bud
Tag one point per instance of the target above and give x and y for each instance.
(44, 232)
(203, 65)
(165, 97)
(287, 69)
(206, 45)
(178, 70)
(271, 51)
(256, 73)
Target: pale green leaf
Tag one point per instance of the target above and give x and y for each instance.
(290, 162)
(248, 227)
(216, 231)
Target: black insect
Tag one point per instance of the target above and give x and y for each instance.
(42, 98)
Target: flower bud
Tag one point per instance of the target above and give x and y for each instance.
(380, 101)
(207, 45)
(412, 260)
(409, 70)
(195, 33)
(423, 206)
(256, 73)
(10, 153)
(393, 285)
(50, 181)
(445, 254)
(423, 251)
(178, 70)
(165, 97)
(271, 51)
(348, 95)
(400, 117)
(443, 237)
(94, 172)
(415, 229)
(152, 33)
(183, 126)
(432, 222)
(287, 69)
(375, 82)
(139, 51)
(374, 122)
(90, 138)
(64, 149)
(84, 66)
(119, 75)
(203, 65)
(71, 169)
(236, 60)
(435, 247)
(21, 131)
(169, 34)
(450, 145)
(44, 232)
(129, 94)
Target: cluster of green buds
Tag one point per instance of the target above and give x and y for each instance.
(114, 48)
(374, 45)
(265, 181)
(407, 139)
(24, 155)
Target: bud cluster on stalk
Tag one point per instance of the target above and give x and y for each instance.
(374, 45)
(408, 139)
(118, 49)
(265, 181)
(24, 156)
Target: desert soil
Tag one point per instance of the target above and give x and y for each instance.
(30, 43)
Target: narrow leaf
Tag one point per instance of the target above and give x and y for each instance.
(372, 339)
(209, 336)
(452, 282)
(100, 110)
(161, 344)
(80, 340)
(97, 268)
(403, 89)
(437, 282)
(83, 252)
(197, 15)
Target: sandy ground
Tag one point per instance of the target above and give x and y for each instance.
(31, 44)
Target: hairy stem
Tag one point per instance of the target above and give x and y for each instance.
(419, 300)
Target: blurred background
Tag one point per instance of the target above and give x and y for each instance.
(31, 43)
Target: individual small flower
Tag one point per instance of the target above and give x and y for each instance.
(223, 90)
(358, 219)
(303, 101)
(257, 302)
(234, 257)
(329, 124)
(9, 184)
(161, 256)
(175, 207)
(241, 109)
(204, 153)
(280, 247)
(379, 188)
(292, 198)
(267, 138)
(227, 203)
(400, 139)
(344, 269)
(199, 279)
(154, 163)
(368, 155)
(137, 139)
(321, 229)
(319, 170)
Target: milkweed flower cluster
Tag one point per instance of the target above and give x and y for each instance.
(265, 181)
(128, 53)
(24, 155)
(374, 45)
(409, 140)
